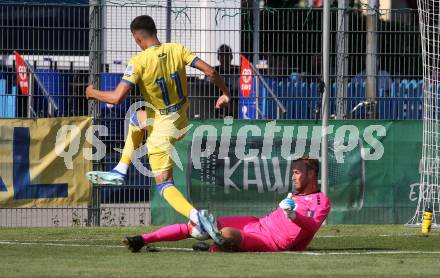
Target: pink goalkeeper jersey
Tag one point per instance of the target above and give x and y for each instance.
(311, 211)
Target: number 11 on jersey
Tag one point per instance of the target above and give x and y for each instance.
(161, 82)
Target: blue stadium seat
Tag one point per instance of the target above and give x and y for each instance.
(112, 116)
(400, 98)
(332, 99)
(294, 107)
(410, 100)
(108, 82)
(56, 84)
(387, 102)
(270, 106)
(397, 99)
(356, 93)
(7, 101)
(419, 99)
(415, 102)
(301, 100)
(386, 105)
(283, 95)
(3, 86)
(295, 92)
(315, 101)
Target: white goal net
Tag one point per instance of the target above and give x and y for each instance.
(429, 194)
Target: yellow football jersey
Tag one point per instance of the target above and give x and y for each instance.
(160, 73)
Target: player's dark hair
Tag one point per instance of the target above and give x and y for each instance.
(309, 163)
(144, 23)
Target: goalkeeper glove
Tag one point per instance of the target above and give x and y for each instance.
(288, 206)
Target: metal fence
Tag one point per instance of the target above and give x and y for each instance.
(69, 45)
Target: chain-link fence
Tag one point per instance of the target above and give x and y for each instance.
(69, 45)
(73, 43)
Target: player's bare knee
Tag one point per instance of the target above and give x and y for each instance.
(164, 176)
(142, 117)
(139, 119)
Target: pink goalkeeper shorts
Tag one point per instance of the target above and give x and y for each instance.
(254, 239)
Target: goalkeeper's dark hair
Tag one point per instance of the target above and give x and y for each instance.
(309, 163)
(144, 23)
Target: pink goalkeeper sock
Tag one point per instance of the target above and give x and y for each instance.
(169, 233)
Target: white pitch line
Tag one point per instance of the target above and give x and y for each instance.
(173, 248)
(56, 240)
(366, 252)
(65, 240)
(307, 253)
(343, 236)
(58, 244)
(16, 242)
(311, 253)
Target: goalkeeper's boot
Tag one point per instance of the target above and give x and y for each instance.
(200, 246)
(107, 178)
(209, 225)
(134, 243)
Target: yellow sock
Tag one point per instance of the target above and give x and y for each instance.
(177, 201)
(133, 141)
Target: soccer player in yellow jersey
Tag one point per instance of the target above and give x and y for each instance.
(159, 71)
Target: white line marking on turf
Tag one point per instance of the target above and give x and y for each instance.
(311, 253)
(366, 252)
(308, 253)
(58, 244)
(173, 248)
(60, 240)
(67, 240)
(16, 242)
(342, 236)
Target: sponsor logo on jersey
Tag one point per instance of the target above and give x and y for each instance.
(129, 70)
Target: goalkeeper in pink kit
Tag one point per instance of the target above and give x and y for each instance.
(291, 227)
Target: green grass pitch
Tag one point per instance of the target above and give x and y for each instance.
(337, 251)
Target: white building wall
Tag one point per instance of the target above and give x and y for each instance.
(202, 26)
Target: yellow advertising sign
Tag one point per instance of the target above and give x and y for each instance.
(42, 162)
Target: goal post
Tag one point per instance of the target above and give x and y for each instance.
(429, 192)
